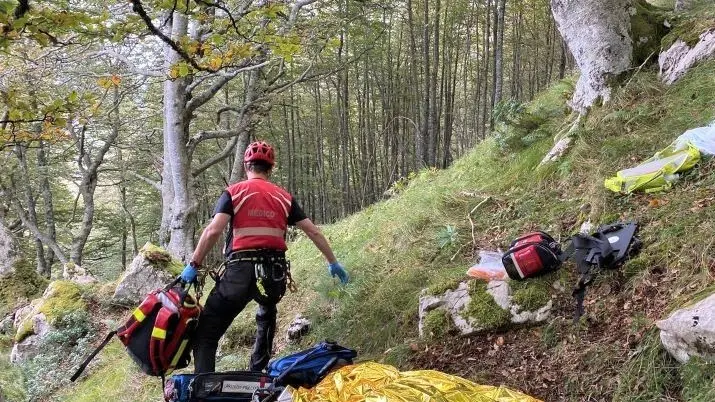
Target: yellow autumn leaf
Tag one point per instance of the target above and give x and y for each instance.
(104, 82)
(216, 62)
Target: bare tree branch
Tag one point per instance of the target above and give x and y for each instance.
(280, 88)
(207, 135)
(153, 183)
(209, 93)
(225, 153)
(139, 9)
(296, 8)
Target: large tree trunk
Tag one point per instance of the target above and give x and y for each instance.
(182, 222)
(598, 35)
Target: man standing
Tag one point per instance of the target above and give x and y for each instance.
(259, 213)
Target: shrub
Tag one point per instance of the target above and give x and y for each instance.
(62, 348)
(515, 127)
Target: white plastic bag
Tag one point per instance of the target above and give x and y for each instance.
(489, 267)
(702, 138)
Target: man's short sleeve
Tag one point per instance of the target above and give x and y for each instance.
(224, 204)
(296, 213)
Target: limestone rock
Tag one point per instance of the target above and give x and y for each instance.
(456, 301)
(75, 273)
(152, 268)
(21, 314)
(8, 252)
(299, 327)
(679, 58)
(6, 325)
(29, 347)
(25, 350)
(690, 331)
(557, 151)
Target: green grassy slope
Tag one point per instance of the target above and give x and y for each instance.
(392, 248)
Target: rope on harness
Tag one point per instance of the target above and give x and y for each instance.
(217, 273)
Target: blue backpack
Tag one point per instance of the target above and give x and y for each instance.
(308, 367)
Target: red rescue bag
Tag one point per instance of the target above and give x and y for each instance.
(532, 255)
(159, 332)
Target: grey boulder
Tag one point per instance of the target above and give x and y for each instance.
(690, 331)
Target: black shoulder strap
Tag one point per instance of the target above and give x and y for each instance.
(587, 251)
(89, 358)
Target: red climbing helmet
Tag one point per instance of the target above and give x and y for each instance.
(259, 151)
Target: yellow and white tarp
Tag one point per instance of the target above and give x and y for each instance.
(374, 382)
(657, 173)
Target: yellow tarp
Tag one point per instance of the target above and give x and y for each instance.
(374, 382)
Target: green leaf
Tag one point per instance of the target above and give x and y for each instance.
(73, 97)
(183, 70)
(7, 7)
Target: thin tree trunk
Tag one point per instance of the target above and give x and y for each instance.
(433, 117)
(21, 152)
(46, 193)
(422, 141)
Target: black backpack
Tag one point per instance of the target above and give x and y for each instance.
(608, 248)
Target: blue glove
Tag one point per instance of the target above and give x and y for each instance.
(188, 275)
(336, 269)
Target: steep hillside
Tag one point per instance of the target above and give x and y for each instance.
(393, 252)
(427, 235)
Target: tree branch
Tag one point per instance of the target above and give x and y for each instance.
(155, 184)
(209, 93)
(207, 135)
(296, 8)
(280, 88)
(225, 153)
(139, 9)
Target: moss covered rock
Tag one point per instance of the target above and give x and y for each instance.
(483, 311)
(60, 298)
(476, 306)
(22, 285)
(152, 268)
(437, 324)
(37, 320)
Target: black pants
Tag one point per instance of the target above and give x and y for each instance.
(236, 288)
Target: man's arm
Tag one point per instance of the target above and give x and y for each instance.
(210, 236)
(316, 236)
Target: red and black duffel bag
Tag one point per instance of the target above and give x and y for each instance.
(532, 255)
(159, 332)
